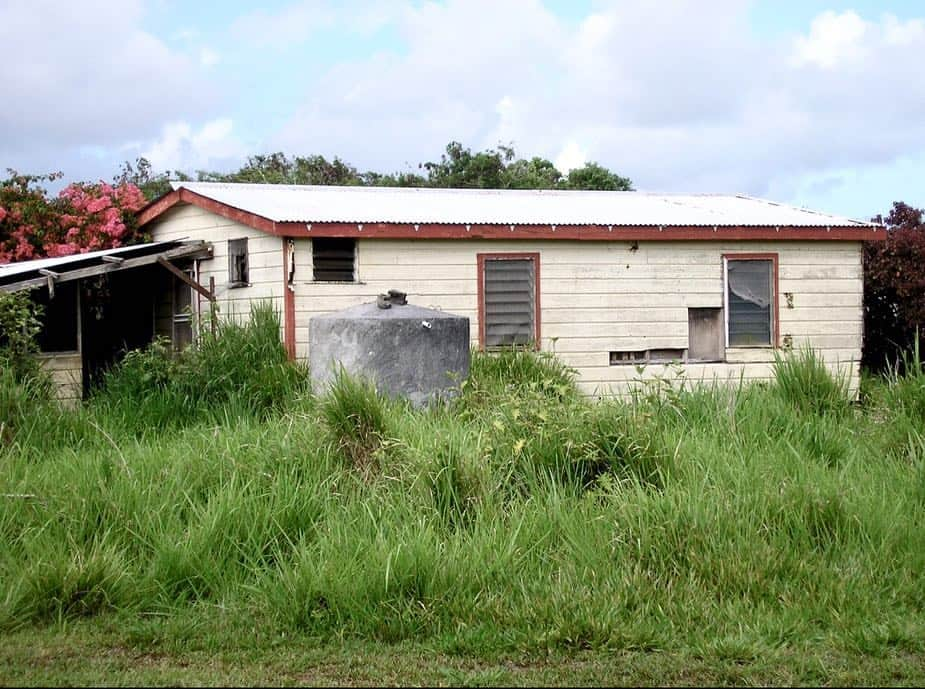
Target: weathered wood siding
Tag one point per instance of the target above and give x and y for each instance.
(605, 296)
(596, 297)
(265, 261)
(66, 372)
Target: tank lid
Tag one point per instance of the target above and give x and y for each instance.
(396, 312)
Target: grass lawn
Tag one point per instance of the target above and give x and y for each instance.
(100, 654)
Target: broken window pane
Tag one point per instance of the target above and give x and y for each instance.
(750, 296)
(237, 263)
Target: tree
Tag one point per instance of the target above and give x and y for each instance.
(277, 168)
(458, 168)
(594, 176)
(83, 217)
(141, 174)
(894, 287)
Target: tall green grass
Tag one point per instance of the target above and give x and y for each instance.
(241, 369)
(519, 516)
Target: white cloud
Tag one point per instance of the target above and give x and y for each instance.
(833, 38)
(208, 57)
(88, 74)
(897, 32)
(183, 147)
(667, 93)
(299, 21)
(570, 157)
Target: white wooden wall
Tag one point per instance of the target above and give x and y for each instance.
(596, 297)
(265, 258)
(66, 371)
(602, 296)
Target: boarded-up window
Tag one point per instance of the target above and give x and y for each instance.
(705, 335)
(750, 298)
(237, 263)
(509, 293)
(662, 355)
(333, 260)
(666, 354)
(628, 357)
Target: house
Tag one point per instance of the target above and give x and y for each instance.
(100, 304)
(606, 280)
(609, 281)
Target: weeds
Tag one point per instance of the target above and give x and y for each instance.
(520, 516)
(355, 415)
(804, 381)
(242, 369)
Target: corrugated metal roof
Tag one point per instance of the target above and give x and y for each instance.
(320, 204)
(61, 263)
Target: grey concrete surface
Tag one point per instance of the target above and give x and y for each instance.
(408, 351)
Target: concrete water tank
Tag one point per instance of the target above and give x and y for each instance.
(407, 351)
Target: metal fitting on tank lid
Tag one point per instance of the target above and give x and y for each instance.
(398, 297)
(382, 301)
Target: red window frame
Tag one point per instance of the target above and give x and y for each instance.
(532, 256)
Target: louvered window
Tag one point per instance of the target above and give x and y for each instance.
(750, 302)
(509, 293)
(333, 260)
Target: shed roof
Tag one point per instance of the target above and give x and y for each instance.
(24, 274)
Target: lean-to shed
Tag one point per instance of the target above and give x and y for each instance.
(607, 280)
(100, 304)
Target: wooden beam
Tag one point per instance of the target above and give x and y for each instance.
(200, 250)
(185, 278)
(50, 277)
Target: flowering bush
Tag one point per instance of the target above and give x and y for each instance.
(84, 217)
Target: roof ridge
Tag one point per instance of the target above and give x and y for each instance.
(801, 209)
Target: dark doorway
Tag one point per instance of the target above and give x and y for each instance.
(117, 315)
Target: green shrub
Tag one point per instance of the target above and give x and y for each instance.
(494, 376)
(241, 369)
(20, 324)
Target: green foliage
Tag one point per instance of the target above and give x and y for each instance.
(241, 369)
(141, 174)
(458, 168)
(804, 381)
(25, 389)
(520, 518)
(20, 324)
(594, 176)
(355, 415)
(497, 376)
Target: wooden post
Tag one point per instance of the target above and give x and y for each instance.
(212, 315)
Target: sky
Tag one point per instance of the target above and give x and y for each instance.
(810, 102)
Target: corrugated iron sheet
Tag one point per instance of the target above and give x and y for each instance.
(62, 263)
(319, 204)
